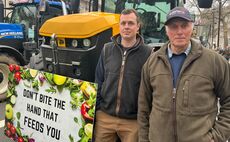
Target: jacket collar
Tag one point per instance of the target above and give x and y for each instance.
(117, 41)
(196, 48)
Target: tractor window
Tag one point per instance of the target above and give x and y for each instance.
(50, 13)
(24, 14)
(152, 13)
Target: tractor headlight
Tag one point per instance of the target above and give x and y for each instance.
(86, 42)
(41, 40)
(50, 67)
(74, 43)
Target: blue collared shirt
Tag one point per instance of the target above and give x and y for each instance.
(176, 61)
(187, 51)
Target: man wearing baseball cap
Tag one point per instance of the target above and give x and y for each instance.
(179, 12)
(180, 88)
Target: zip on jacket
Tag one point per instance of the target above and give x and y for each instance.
(174, 113)
(120, 82)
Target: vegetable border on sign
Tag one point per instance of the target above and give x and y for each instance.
(82, 94)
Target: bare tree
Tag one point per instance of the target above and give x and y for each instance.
(217, 18)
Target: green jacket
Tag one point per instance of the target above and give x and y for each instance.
(188, 112)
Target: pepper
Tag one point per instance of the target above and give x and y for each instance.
(88, 89)
(84, 112)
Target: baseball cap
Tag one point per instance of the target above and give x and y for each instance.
(179, 12)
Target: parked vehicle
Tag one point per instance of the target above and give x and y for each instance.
(19, 33)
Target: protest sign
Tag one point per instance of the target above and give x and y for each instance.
(47, 107)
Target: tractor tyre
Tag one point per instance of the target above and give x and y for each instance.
(5, 61)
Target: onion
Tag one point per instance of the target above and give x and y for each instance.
(41, 78)
(31, 140)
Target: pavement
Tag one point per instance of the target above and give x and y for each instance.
(3, 138)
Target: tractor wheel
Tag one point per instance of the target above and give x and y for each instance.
(5, 60)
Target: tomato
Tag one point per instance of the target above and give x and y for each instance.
(8, 133)
(20, 139)
(11, 67)
(17, 76)
(8, 125)
(17, 68)
(13, 130)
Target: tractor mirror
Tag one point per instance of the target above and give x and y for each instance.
(75, 5)
(1, 11)
(43, 7)
(205, 3)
